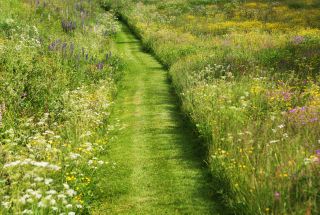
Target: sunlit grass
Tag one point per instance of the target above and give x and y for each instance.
(247, 75)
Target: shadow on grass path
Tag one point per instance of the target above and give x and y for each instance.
(158, 168)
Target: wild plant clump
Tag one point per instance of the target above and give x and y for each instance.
(68, 25)
(56, 91)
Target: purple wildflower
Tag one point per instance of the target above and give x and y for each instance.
(293, 110)
(100, 66)
(53, 46)
(297, 40)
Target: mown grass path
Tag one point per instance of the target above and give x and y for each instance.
(157, 168)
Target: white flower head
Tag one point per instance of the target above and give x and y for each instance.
(74, 156)
(69, 206)
(41, 204)
(274, 141)
(48, 181)
(53, 202)
(66, 186)
(38, 179)
(61, 196)
(6, 205)
(51, 192)
(71, 192)
(27, 211)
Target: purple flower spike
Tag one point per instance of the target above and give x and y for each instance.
(318, 152)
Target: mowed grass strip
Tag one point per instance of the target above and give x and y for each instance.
(156, 165)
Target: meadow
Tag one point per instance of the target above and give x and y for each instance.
(247, 74)
(58, 77)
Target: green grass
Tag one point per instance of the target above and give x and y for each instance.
(247, 73)
(157, 168)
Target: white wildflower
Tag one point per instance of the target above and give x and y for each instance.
(48, 181)
(41, 204)
(12, 164)
(51, 192)
(53, 202)
(38, 179)
(36, 194)
(274, 141)
(66, 186)
(69, 206)
(22, 200)
(61, 196)
(71, 192)
(48, 132)
(6, 204)
(48, 197)
(54, 167)
(26, 211)
(71, 213)
(74, 155)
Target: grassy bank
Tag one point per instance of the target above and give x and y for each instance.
(57, 83)
(247, 74)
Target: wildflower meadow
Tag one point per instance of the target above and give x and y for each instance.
(159, 107)
(247, 74)
(57, 84)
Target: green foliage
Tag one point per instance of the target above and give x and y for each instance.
(57, 83)
(247, 73)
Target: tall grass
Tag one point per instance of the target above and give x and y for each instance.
(247, 73)
(57, 83)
